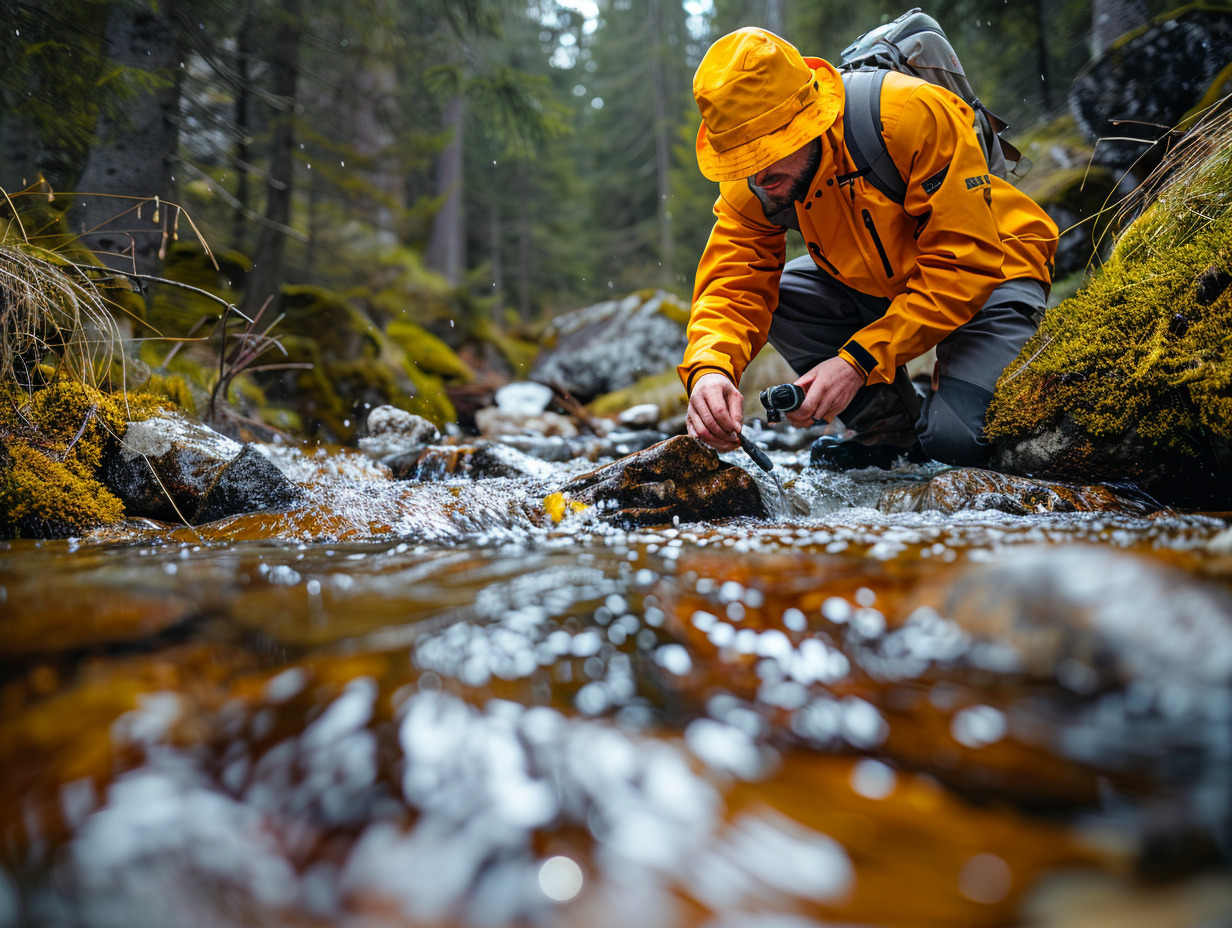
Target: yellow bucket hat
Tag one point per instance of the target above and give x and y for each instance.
(760, 101)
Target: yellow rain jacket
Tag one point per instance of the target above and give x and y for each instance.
(959, 233)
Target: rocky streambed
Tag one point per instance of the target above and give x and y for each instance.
(501, 693)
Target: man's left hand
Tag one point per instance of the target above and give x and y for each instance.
(828, 388)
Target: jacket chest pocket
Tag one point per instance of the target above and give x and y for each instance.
(871, 226)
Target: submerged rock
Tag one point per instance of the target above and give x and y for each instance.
(1091, 619)
(974, 488)
(175, 469)
(675, 479)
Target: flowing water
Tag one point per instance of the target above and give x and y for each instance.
(433, 704)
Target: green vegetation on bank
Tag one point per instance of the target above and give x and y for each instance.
(1144, 349)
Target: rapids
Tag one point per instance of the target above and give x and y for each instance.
(412, 703)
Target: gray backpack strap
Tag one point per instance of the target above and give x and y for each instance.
(862, 132)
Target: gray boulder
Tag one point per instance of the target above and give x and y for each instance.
(175, 469)
(611, 345)
(1145, 83)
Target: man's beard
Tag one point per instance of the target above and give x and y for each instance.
(773, 205)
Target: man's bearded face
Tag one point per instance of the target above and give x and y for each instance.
(787, 181)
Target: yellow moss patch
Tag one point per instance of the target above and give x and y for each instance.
(40, 496)
(53, 441)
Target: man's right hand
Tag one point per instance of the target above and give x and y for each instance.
(716, 412)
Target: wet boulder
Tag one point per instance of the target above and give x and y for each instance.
(483, 460)
(611, 345)
(249, 482)
(675, 479)
(974, 488)
(175, 469)
(393, 431)
(1127, 381)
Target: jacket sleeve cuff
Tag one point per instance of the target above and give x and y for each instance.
(857, 354)
(698, 371)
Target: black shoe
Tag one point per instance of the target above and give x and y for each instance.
(837, 454)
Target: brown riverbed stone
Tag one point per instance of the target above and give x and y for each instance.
(676, 479)
(967, 488)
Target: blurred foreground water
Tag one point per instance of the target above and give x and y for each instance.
(433, 704)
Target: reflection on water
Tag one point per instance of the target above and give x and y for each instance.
(429, 704)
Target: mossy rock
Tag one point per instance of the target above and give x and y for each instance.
(427, 352)
(355, 366)
(663, 389)
(1131, 378)
(508, 352)
(55, 439)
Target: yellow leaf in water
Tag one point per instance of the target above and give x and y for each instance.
(557, 505)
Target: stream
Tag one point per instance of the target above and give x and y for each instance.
(438, 703)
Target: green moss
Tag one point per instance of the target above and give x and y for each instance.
(671, 306)
(427, 352)
(515, 346)
(662, 389)
(1144, 346)
(53, 442)
(430, 399)
(356, 366)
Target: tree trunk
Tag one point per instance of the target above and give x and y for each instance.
(525, 249)
(446, 252)
(242, 158)
(372, 111)
(497, 259)
(134, 157)
(775, 16)
(1041, 53)
(267, 260)
(662, 141)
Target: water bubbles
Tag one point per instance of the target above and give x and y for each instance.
(704, 622)
(836, 609)
(795, 620)
(725, 748)
(560, 878)
(985, 878)
(286, 685)
(978, 726)
(862, 724)
(593, 698)
(872, 779)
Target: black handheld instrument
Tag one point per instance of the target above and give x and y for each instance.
(778, 400)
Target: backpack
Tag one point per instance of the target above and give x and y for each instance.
(913, 44)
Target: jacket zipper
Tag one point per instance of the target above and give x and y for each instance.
(881, 252)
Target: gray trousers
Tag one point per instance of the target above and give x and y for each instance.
(816, 316)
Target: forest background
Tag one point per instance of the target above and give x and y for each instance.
(506, 159)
